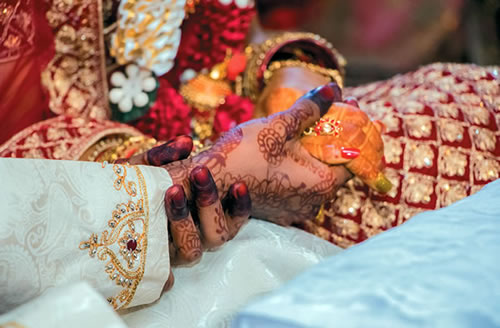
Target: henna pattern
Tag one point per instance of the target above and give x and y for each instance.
(189, 244)
(220, 223)
(285, 183)
(271, 145)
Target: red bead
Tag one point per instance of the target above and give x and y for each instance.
(132, 245)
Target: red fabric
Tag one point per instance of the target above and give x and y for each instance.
(23, 99)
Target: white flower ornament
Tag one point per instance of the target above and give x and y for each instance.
(132, 92)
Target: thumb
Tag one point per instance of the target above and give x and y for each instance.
(310, 107)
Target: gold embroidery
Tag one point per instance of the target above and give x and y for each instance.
(448, 110)
(484, 139)
(392, 150)
(419, 126)
(79, 49)
(476, 114)
(419, 155)
(451, 130)
(418, 188)
(452, 162)
(127, 231)
(391, 123)
(377, 216)
(485, 168)
(347, 202)
(451, 192)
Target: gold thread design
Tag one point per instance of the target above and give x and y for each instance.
(125, 267)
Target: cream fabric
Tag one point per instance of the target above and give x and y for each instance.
(50, 207)
(75, 306)
(209, 294)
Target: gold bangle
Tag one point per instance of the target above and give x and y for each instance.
(111, 148)
(332, 74)
(128, 148)
(257, 55)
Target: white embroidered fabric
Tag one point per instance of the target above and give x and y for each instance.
(50, 207)
(259, 259)
(75, 306)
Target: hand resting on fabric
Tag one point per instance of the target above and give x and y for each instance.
(286, 184)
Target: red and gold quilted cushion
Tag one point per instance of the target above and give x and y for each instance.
(442, 144)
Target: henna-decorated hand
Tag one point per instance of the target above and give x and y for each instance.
(205, 223)
(286, 183)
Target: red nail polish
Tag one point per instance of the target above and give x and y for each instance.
(241, 202)
(176, 203)
(201, 177)
(349, 153)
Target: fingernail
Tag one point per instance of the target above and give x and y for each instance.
(352, 101)
(176, 203)
(241, 202)
(201, 177)
(350, 153)
(173, 150)
(325, 95)
(205, 190)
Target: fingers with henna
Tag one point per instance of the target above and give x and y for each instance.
(185, 235)
(213, 223)
(239, 205)
(176, 149)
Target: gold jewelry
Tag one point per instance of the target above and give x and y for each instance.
(259, 54)
(102, 146)
(114, 147)
(332, 74)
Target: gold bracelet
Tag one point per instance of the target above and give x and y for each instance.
(332, 74)
(128, 148)
(113, 147)
(257, 55)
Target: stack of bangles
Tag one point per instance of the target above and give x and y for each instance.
(290, 49)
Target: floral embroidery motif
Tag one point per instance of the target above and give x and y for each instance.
(419, 155)
(392, 150)
(484, 139)
(451, 130)
(452, 162)
(451, 192)
(123, 246)
(419, 126)
(419, 189)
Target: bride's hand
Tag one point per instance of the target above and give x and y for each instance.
(286, 183)
(205, 223)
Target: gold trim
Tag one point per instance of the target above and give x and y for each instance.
(126, 267)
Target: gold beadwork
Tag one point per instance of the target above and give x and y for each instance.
(123, 246)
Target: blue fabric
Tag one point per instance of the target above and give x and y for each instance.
(440, 269)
